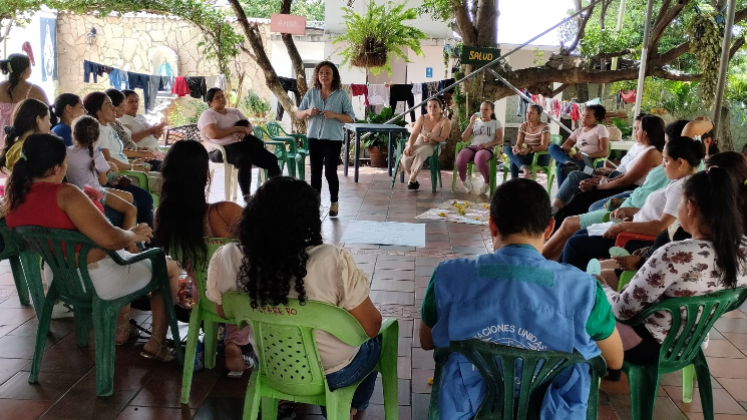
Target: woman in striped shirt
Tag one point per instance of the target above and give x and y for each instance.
(534, 136)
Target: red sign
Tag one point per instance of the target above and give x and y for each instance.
(288, 24)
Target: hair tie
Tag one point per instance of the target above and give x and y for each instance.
(698, 138)
(23, 157)
(708, 171)
(10, 130)
(10, 69)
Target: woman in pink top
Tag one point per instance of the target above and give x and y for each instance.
(591, 138)
(218, 126)
(16, 88)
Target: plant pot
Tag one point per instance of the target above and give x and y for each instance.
(378, 159)
(373, 53)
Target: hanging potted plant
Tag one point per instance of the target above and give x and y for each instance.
(378, 35)
(377, 143)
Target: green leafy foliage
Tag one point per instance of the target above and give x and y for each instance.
(178, 115)
(380, 32)
(253, 104)
(437, 9)
(312, 9)
(625, 129)
(380, 140)
(706, 37)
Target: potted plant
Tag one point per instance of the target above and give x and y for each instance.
(377, 143)
(254, 105)
(378, 35)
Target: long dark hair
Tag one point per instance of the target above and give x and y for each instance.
(14, 66)
(736, 164)
(716, 195)
(180, 215)
(116, 96)
(279, 223)
(686, 148)
(23, 120)
(654, 127)
(60, 103)
(40, 154)
(93, 102)
(674, 130)
(85, 133)
(336, 80)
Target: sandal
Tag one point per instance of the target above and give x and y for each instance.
(248, 362)
(164, 354)
(132, 332)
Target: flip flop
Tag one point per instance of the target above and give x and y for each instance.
(133, 333)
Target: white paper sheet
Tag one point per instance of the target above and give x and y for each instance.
(385, 233)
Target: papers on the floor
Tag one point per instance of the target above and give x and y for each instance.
(385, 233)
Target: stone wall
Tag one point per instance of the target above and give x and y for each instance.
(129, 42)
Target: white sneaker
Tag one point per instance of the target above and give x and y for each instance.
(467, 184)
(484, 189)
(62, 310)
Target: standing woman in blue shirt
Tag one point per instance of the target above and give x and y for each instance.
(328, 108)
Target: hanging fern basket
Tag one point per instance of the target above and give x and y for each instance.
(372, 53)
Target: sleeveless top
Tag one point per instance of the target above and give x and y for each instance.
(439, 126)
(630, 159)
(516, 298)
(6, 116)
(40, 209)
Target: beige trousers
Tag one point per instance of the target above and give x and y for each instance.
(414, 163)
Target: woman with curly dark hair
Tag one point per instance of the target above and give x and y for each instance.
(328, 109)
(281, 255)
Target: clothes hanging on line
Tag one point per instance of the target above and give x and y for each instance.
(417, 88)
(291, 86)
(280, 111)
(402, 93)
(197, 87)
(115, 80)
(345, 87)
(180, 86)
(430, 89)
(142, 81)
(628, 96)
(167, 82)
(89, 68)
(360, 90)
(378, 94)
(521, 109)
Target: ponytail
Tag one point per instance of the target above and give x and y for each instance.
(85, 133)
(24, 121)
(14, 67)
(686, 148)
(40, 154)
(716, 194)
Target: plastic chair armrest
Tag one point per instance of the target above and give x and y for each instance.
(141, 176)
(537, 155)
(150, 254)
(290, 141)
(625, 237)
(386, 324)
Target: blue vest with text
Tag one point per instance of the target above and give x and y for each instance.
(514, 297)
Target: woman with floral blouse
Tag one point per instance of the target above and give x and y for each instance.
(713, 260)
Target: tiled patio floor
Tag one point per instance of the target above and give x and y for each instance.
(150, 390)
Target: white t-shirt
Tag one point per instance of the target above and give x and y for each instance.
(629, 160)
(588, 141)
(137, 124)
(331, 277)
(660, 202)
(484, 132)
(229, 119)
(108, 139)
(79, 167)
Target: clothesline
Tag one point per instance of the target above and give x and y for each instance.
(151, 84)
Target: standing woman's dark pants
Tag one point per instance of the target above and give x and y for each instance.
(248, 152)
(325, 154)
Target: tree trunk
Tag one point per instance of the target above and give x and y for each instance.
(295, 56)
(254, 36)
(486, 19)
(723, 131)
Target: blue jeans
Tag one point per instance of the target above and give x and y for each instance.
(517, 161)
(360, 368)
(599, 205)
(562, 157)
(582, 248)
(569, 188)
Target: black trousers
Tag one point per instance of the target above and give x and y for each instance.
(244, 154)
(325, 154)
(402, 93)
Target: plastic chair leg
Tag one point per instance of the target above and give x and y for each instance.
(644, 384)
(82, 321)
(704, 385)
(193, 337)
(252, 399)
(434, 174)
(388, 368)
(44, 318)
(269, 408)
(20, 280)
(105, 328)
(228, 169)
(211, 340)
(339, 402)
(688, 376)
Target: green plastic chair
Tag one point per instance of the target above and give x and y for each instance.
(679, 352)
(289, 364)
(286, 156)
(279, 151)
(277, 132)
(57, 248)
(26, 286)
(535, 379)
(203, 313)
(433, 164)
(142, 179)
(550, 170)
(493, 162)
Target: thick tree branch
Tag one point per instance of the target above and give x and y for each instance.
(601, 56)
(581, 30)
(666, 16)
(739, 43)
(295, 56)
(560, 88)
(463, 21)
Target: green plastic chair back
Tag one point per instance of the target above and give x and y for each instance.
(539, 368)
(57, 248)
(285, 150)
(433, 164)
(205, 314)
(549, 170)
(27, 283)
(493, 164)
(679, 349)
(556, 139)
(142, 179)
(290, 367)
(302, 148)
(278, 133)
